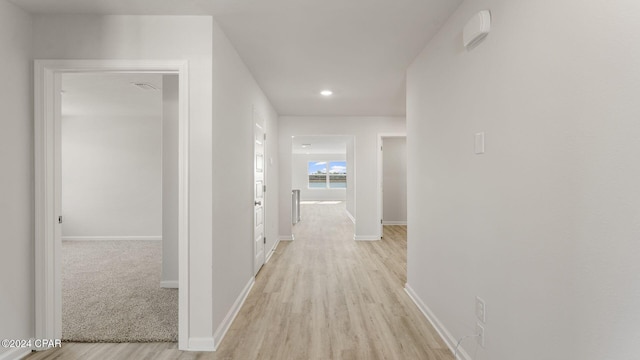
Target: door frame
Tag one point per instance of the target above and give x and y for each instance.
(381, 137)
(48, 248)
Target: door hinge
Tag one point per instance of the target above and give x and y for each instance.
(380, 221)
(264, 240)
(265, 136)
(264, 188)
(380, 148)
(60, 219)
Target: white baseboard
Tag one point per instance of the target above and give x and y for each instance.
(169, 284)
(442, 331)
(351, 216)
(233, 312)
(286, 238)
(366, 237)
(384, 222)
(15, 354)
(273, 249)
(102, 238)
(201, 344)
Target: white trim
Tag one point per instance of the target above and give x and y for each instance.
(201, 344)
(366, 237)
(390, 222)
(46, 304)
(379, 162)
(353, 219)
(233, 312)
(286, 237)
(442, 331)
(47, 85)
(15, 354)
(273, 250)
(169, 284)
(107, 238)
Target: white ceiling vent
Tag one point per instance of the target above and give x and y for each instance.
(476, 29)
(144, 86)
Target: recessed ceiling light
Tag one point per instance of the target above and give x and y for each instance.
(306, 145)
(326, 92)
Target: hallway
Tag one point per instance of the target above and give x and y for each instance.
(321, 296)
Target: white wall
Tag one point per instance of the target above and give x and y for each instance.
(394, 180)
(158, 37)
(300, 179)
(111, 170)
(235, 96)
(170, 171)
(544, 226)
(365, 131)
(16, 181)
(351, 183)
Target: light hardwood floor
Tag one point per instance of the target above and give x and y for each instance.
(322, 296)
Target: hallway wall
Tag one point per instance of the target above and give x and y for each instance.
(236, 96)
(16, 182)
(351, 179)
(158, 37)
(544, 225)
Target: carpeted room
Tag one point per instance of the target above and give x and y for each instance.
(119, 273)
(111, 293)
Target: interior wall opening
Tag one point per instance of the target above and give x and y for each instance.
(393, 192)
(323, 168)
(119, 206)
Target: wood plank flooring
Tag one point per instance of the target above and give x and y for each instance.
(322, 296)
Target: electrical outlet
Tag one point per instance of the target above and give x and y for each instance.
(480, 334)
(481, 310)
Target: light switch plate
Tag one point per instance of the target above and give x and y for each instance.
(480, 143)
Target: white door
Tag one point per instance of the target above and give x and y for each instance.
(259, 182)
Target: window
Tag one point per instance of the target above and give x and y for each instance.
(317, 175)
(338, 175)
(325, 174)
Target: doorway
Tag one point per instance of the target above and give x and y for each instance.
(392, 198)
(119, 202)
(392, 181)
(322, 169)
(48, 116)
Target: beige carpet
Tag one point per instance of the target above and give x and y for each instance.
(111, 293)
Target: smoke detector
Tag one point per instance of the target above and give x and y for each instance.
(476, 29)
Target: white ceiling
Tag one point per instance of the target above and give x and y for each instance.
(320, 144)
(111, 95)
(360, 49)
